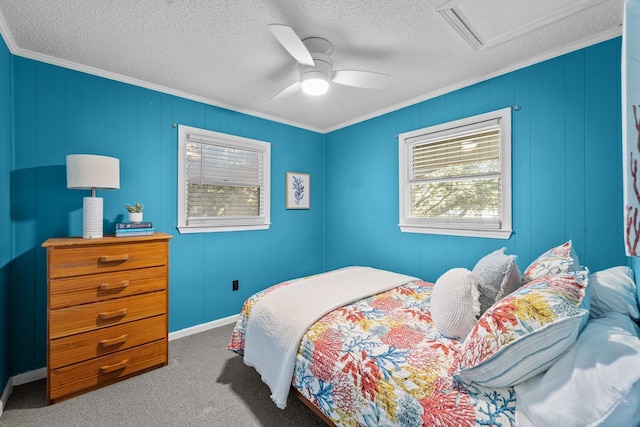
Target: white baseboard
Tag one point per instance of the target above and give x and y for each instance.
(38, 374)
(5, 395)
(27, 377)
(203, 327)
(16, 380)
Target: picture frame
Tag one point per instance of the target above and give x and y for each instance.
(298, 190)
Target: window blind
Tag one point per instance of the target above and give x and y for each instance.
(456, 175)
(222, 181)
(472, 153)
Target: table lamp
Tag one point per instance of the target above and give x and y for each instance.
(90, 172)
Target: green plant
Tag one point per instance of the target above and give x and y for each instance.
(135, 208)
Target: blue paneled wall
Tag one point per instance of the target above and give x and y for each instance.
(5, 208)
(58, 112)
(566, 170)
(566, 185)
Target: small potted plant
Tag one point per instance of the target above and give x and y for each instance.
(135, 212)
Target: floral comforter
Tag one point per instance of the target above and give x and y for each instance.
(381, 362)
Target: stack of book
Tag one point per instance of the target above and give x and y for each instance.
(129, 229)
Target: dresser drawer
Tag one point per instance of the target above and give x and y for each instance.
(88, 317)
(100, 287)
(81, 347)
(76, 261)
(105, 370)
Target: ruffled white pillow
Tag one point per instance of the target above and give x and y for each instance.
(454, 303)
(498, 276)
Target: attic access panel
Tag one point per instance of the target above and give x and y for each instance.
(484, 24)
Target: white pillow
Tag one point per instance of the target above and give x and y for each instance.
(614, 290)
(596, 382)
(454, 303)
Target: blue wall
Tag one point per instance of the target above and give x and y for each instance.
(567, 179)
(5, 208)
(58, 111)
(566, 170)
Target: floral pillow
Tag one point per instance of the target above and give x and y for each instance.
(561, 259)
(524, 333)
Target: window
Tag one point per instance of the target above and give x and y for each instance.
(455, 178)
(223, 182)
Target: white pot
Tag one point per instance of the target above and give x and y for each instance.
(135, 216)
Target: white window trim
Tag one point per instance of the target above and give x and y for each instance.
(224, 224)
(415, 225)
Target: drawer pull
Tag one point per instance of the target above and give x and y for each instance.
(113, 341)
(114, 258)
(111, 314)
(116, 366)
(113, 286)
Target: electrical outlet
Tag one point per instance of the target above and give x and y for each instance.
(235, 285)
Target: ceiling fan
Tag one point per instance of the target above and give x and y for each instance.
(313, 55)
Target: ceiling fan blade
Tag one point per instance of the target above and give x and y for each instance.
(364, 79)
(292, 43)
(289, 90)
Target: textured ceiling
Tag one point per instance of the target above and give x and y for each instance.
(222, 53)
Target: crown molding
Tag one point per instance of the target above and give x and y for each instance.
(581, 44)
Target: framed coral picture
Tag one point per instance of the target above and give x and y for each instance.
(298, 190)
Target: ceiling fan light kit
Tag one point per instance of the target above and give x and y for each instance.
(318, 74)
(314, 83)
(315, 80)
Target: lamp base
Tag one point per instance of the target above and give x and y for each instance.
(92, 218)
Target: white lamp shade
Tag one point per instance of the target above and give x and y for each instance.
(87, 171)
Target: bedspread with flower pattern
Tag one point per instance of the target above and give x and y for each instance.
(381, 362)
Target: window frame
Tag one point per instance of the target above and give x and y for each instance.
(469, 228)
(223, 224)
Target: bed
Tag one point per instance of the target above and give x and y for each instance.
(487, 346)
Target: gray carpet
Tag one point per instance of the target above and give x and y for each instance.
(203, 385)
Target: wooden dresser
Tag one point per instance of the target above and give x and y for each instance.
(107, 310)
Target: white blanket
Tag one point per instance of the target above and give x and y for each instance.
(279, 320)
